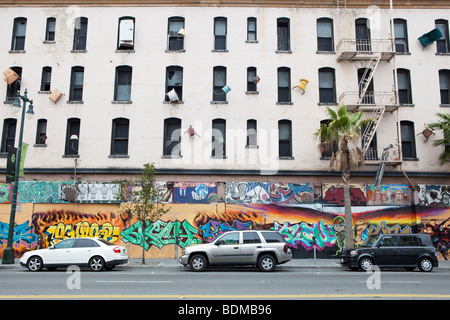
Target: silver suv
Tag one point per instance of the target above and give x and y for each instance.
(263, 248)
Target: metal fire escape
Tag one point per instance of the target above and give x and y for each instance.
(367, 54)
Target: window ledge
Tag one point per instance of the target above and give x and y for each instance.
(443, 53)
(218, 158)
(286, 158)
(44, 92)
(251, 147)
(40, 145)
(173, 102)
(17, 51)
(406, 104)
(326, 52)
(122, 102)
(125, 51)
(403, 53)
(168, 156)
(220, 50)
(49, 41)
(284, 103)
(175, 51)
(3, 155)
(118, 156)
(444, 105)
(79, 51)
(327, 104)
(251, 92)
(284, 51)
(251, 41)
(219, 102)
(75, 102)
(71, 156)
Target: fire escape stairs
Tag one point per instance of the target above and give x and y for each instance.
(371, 128)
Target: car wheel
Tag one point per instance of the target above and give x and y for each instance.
(96, 264)
(267, 263)
(198, 263)
(425, 264)
(365, 264)
(35, 264)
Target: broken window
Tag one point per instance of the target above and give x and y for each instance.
(174, 80)
(175, 37)
(13, 88)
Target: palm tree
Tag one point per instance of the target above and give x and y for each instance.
(442, 124)
(341, 137)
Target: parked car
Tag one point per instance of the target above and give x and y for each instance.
(393, 250)
(96, 254)
(262, 248)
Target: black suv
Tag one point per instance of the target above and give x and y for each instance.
(393, 250)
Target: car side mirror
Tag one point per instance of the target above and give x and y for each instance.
(218, 243)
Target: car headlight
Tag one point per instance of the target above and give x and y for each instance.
(353, 253)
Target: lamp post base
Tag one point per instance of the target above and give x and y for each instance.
(8, 256)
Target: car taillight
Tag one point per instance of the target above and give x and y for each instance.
(116, 250)
(285, 248)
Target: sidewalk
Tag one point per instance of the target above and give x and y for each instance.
(173, 263)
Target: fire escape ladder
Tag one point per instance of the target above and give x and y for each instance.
(368, 75)
(371, 128)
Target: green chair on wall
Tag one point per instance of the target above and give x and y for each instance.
(430, 37)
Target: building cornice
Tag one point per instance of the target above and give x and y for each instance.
(411, 4)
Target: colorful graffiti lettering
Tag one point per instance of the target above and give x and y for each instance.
(161, 233)
(382, 228)
(24, 237)
(303, 234)
(212, 229)
(81, 229)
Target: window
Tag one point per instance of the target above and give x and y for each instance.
(251, 30)
(219, 81)
(85, 243)
(401, 35)
(50, 29)
(362, 30)
(122, 91)
(325, 34)
(13, 88)
(80, 34)
(76, 84)
(284, 85)
(9, 134)
(372, 151)
(46, 78)
(175, 40)
(444, 85)
(174, 81)
(220, 33)
(218, 138)
(125, 39)
(369, 96)
(18, 37)
(73, 129)
(327, 86)
(285, 138)
(404, 86)
(172, 137)
(388, 241)
(251, 237)
(231, 238)
(283, 35)
(41, 132)
(329, 148)
(252, 136)
(272, 237)
(442, 44)
(119, 136)
(411, 241)
(408, 140)
(251, 79)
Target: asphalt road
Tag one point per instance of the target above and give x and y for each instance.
(225, 284)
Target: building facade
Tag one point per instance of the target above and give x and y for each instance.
(224, 99)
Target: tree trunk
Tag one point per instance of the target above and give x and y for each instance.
(143, 224)
(348, 217)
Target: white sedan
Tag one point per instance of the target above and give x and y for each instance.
(96, 254)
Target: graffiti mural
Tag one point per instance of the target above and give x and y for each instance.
(55, 226)
(161, 233)
(333, 194)
(388, 194)
(193, 192)
(291, 193)
(24, 237)
(247, 192)
(5, 192)
(434, 195)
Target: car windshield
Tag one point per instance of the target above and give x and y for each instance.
(370, 241)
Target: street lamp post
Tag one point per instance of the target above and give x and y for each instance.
(8, 253)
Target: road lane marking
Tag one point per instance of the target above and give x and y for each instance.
(134, 281)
